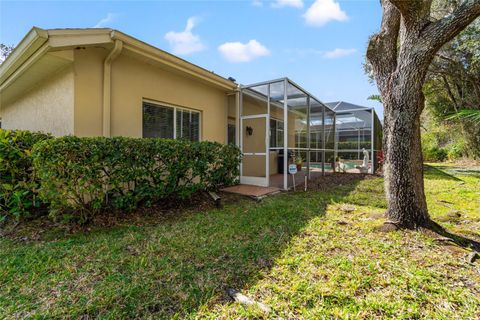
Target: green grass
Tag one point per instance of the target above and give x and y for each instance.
(302, 254)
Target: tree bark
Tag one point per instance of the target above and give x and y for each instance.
(400, 55)
(403, 169)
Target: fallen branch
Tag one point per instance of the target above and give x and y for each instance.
(472, 257)
(444, 239)
(216, 199)
(445, 201)
(242, 299)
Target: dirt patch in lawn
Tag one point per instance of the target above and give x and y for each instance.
(43, 228)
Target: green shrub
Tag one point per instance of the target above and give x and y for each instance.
(353, 145)
(18, 182)
(455, 151)
(81, 176)
(434, 154)
(442, 143)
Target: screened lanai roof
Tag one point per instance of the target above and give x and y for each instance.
(352, 116)
(358, 119)
(296, 95)
(342, 105)
(348, 115)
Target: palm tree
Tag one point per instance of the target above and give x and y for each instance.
(466, 114)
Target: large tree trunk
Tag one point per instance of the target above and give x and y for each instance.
(407, 207)
(403, 105)
(400, 55)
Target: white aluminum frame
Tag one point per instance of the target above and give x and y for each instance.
(285, 147)
(373, 141)
(258, 181)
(372, 134)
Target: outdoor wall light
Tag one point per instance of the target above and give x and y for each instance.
(249, 131)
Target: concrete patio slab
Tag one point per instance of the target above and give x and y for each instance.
(251, 191)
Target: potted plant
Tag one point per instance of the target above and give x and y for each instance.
(298, 160)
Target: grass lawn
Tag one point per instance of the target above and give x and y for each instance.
(306, 255)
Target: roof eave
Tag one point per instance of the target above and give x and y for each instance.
(32, 41)
(65, 38)
(173, 61)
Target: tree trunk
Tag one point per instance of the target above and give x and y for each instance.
(407, 207)
(400, 55)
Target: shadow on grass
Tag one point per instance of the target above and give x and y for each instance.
(438, 174)
(172, 269)
(459, 240)
(475, 173)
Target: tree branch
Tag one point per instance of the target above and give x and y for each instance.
(413, 10)
(382, 47)
(450, 93)
(441, 31)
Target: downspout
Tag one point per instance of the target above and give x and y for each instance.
(107, 84)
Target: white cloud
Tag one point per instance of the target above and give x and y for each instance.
(257, 3)
(239, 52)
(287, 3)
(105, 21)
(339, 53)
(332, 54)
(185, 42)
(322, 12)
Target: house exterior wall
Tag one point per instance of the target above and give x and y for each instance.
(134, 81)
(47, 107)
(88, 115)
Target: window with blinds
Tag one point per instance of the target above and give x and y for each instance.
(157, 121)
(170, 122)
(188, 125)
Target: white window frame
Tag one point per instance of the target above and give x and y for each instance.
(277, 131)
(175, 108)
(234, 124)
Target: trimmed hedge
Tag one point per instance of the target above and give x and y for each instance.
(18, 182)
(81, 176)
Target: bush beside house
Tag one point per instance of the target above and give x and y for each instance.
(79, 177)
(18, 181)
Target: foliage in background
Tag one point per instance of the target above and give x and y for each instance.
(466, 114)
(375, 97)
(354, 144)
(440, 142)
(452, 90)
(18, 181)
(5, 51)
(82, 176)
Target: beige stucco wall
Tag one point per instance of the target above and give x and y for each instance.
(88, 113)
(134, 81)
(47, 107)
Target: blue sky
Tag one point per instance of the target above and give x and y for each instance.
(319, 44)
